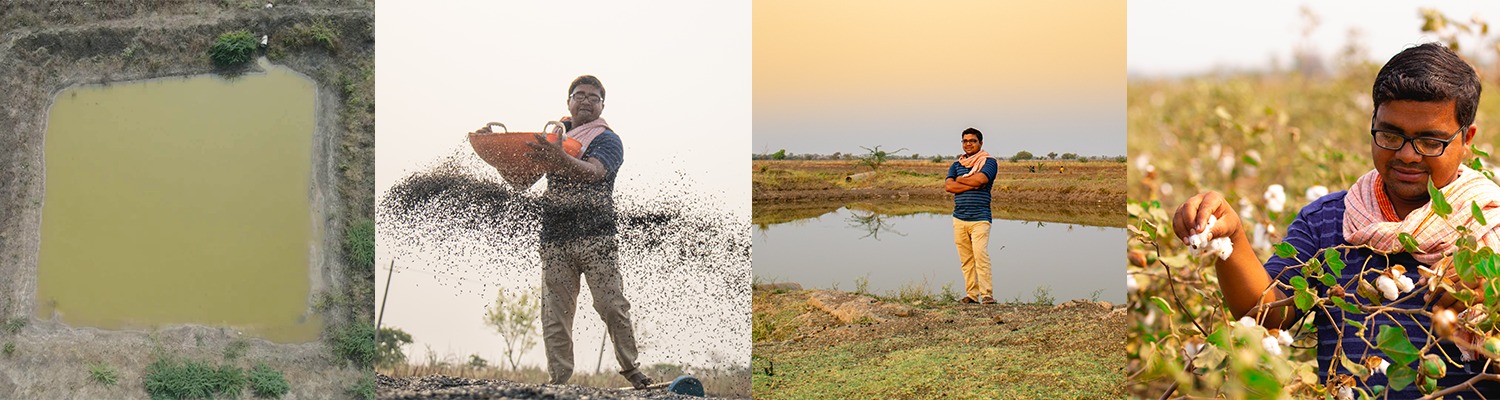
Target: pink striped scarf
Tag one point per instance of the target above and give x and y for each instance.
(1368, 216)
(974, 162)
(586, 133)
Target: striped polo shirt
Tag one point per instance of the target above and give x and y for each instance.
(573, 209)
(973, 205)
(1319, 226)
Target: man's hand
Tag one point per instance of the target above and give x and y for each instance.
(1193, 214)
(547, 152)
(1242, 278)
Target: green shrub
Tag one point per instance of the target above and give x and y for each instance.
(365, 388)
(169, 378)
(359, 244)
(15, 325)
(356, 343)
(10, 348)
(267, 382)
(232, 49)
(103, 373)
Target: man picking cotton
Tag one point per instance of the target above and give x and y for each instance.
(1423, 122)
(970, 179)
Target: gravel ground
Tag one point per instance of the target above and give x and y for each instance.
(446, 387)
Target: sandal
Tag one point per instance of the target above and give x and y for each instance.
(967, 300)
(639, 380)
(987, 300)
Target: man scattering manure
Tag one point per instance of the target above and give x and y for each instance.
(970, 179)
(1424, 100)
(578, 234)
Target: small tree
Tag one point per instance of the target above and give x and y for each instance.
(516, 321)
(1070, 156)
(478, 363)
(779, 155)
(388, 352)
(1052, 155)
(876, 157)
(1022, 155)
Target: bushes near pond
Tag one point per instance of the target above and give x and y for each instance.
(171, 378)
(232, 49)
(356, 343)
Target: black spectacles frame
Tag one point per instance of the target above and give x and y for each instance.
(1408, 139)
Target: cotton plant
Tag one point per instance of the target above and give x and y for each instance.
(1243, 359)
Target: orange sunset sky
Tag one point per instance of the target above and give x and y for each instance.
(1038, 76)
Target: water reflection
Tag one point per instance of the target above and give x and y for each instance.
(849, 246)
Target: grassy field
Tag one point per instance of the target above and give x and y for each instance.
(941, 349)
(1025, 188)
(716, 382)
(1238, 135)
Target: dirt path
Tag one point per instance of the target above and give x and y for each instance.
(826, 344)
(46, 47)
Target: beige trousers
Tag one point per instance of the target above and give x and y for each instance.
(973, 240)
(594, 257)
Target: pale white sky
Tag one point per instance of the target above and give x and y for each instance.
(677, 75)
(1182, 37)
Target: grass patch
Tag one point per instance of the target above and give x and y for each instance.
(236, 349)
(359, 245)
(356, 343)
(10, 349)
(104, 374)
(365, 388)
(172, 378)
(267, 382)
(15, 325)
(232, 49)
(318, 34)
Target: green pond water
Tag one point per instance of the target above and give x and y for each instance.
(181, 201)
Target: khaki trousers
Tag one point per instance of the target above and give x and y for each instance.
(595, 258)
(973, 240)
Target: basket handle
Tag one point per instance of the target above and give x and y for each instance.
(563, 129)
(492, 129)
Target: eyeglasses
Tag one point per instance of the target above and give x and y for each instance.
(1426, 146)
(586, 97)
(971, 140)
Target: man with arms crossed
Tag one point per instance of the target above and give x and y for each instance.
(970, 179)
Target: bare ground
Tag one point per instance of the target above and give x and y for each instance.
(46, 47)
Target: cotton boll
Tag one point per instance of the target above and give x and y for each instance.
(1284, 338)
(1130, 283)
(1275, 198)
(1316, 192)
(1387, 287)
(1271, 345)
(1221, 247)
(1404, 284)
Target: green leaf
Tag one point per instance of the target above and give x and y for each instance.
(1481, 153)
(1328, 280)
(1285, 250)
(1393, 341)
(1303, 298)
(1334, 261)
(1358, 326)
(1400, 375)
(1346, 306)
(1408, 242)
(1210, 357)
(1261, 384)
(1463, 264)
(1478, 214)
(1475, 164)
(1440, 205)
(1162, 304)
